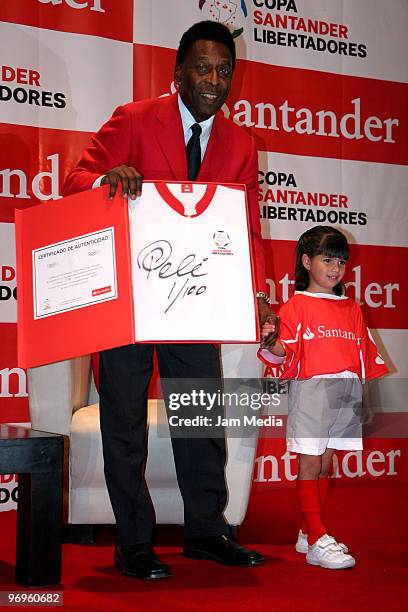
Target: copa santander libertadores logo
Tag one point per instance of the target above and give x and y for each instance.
(231, 14)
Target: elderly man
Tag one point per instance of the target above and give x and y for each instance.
(181, 137)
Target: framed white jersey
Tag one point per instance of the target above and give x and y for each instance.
(174, 265)
(192, 268)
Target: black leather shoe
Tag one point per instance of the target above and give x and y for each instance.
(222, 549)
(140, 561)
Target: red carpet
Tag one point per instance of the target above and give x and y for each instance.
(370, 516)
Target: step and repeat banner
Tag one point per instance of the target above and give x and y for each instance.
(321, 85)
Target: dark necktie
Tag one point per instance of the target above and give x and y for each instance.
(193, 152)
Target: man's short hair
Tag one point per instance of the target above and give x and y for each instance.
(206, 30)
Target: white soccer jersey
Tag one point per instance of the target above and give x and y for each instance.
(191, 262)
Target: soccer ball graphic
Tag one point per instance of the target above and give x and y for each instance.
(221, 239)
(228, 12)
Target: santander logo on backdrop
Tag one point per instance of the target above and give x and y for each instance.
(15, 183)
(90, 17)
(374, 294)
(351, 121)
(272, 467)
(93, 5)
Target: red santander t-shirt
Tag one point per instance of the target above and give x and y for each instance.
(325, 334)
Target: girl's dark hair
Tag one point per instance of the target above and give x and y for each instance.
(320, 240)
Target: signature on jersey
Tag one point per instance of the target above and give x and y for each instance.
(156, 260)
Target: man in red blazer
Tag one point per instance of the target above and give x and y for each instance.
(159, 139)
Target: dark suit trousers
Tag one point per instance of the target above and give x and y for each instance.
(125, 374)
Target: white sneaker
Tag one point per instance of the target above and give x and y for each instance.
(302, 545)
(327, 553)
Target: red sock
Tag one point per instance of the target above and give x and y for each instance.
(309, 505)
(303, 526)
(323, 490)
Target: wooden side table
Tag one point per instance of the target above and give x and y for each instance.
(37, 457)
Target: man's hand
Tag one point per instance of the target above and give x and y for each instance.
(267, 316)
(264, 310)
(270, 331)
(130, 179)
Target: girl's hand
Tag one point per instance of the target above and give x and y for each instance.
(268, 328)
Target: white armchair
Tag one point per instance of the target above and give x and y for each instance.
(63, 399)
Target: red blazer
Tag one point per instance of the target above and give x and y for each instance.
(148, 135)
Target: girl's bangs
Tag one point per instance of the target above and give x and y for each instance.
(334, 245)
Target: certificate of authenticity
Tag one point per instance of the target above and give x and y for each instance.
(74, 273)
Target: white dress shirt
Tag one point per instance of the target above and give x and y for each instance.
(188, 120)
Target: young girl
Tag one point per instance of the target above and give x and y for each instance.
(327, 352)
